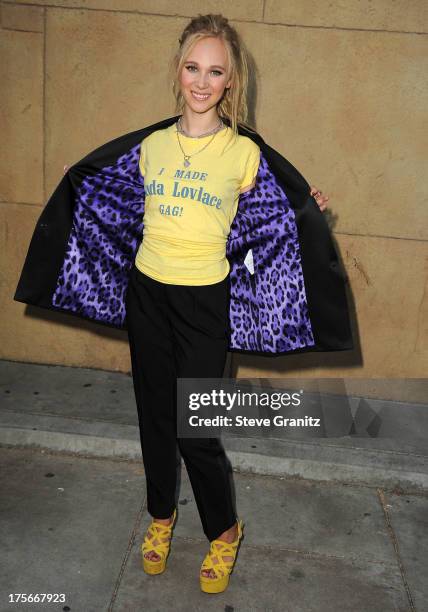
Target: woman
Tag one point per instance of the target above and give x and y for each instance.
(177, 297)
(194, 171)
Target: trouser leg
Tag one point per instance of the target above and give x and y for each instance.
(199, 320)
(154, 382)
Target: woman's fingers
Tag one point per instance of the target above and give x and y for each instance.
(65, 169)
(320, 199)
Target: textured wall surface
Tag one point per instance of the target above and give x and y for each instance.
(338, 88)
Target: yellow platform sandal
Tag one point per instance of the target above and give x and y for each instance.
(215, 560)
(162, 535)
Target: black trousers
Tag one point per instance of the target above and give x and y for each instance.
(179, 331)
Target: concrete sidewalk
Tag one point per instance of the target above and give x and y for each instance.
(93, 412)
(73, 512)
(74, 525)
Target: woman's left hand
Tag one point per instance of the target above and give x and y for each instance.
(319, 198)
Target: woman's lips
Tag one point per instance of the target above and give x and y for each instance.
(200, 97)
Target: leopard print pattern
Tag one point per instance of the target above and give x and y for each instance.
(106, 232)
(268, 309)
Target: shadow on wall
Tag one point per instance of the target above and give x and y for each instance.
(295, 361)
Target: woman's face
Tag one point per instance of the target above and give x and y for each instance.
(204, 72)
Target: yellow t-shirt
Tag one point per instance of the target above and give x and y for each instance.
(189, 210)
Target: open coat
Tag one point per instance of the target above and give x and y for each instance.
(287, 287)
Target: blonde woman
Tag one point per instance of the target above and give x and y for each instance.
(188, 290)
(177, 301)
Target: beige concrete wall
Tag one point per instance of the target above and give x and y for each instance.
(339, 89)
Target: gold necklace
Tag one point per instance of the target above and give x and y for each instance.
(186, 161)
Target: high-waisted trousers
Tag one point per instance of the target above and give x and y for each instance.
(179, 331)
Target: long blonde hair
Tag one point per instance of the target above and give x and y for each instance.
(233, 104)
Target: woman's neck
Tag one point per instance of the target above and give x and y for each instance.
(195, 124)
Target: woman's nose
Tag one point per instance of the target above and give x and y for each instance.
(202, 81)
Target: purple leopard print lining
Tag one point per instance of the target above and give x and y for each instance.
(107, 228)
(268, 309)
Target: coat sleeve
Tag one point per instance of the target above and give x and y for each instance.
(85, 239)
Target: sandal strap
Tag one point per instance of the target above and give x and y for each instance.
(157, 531)
(218, 549)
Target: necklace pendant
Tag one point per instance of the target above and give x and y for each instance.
(186, 161)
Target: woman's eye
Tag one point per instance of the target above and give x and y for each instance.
(190, 68)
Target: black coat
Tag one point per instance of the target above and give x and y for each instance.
(287, 287)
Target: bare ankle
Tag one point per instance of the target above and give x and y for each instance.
(229, 535)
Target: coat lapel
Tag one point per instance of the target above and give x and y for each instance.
(86, 239)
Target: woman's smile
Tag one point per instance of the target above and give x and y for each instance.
(198, 96)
